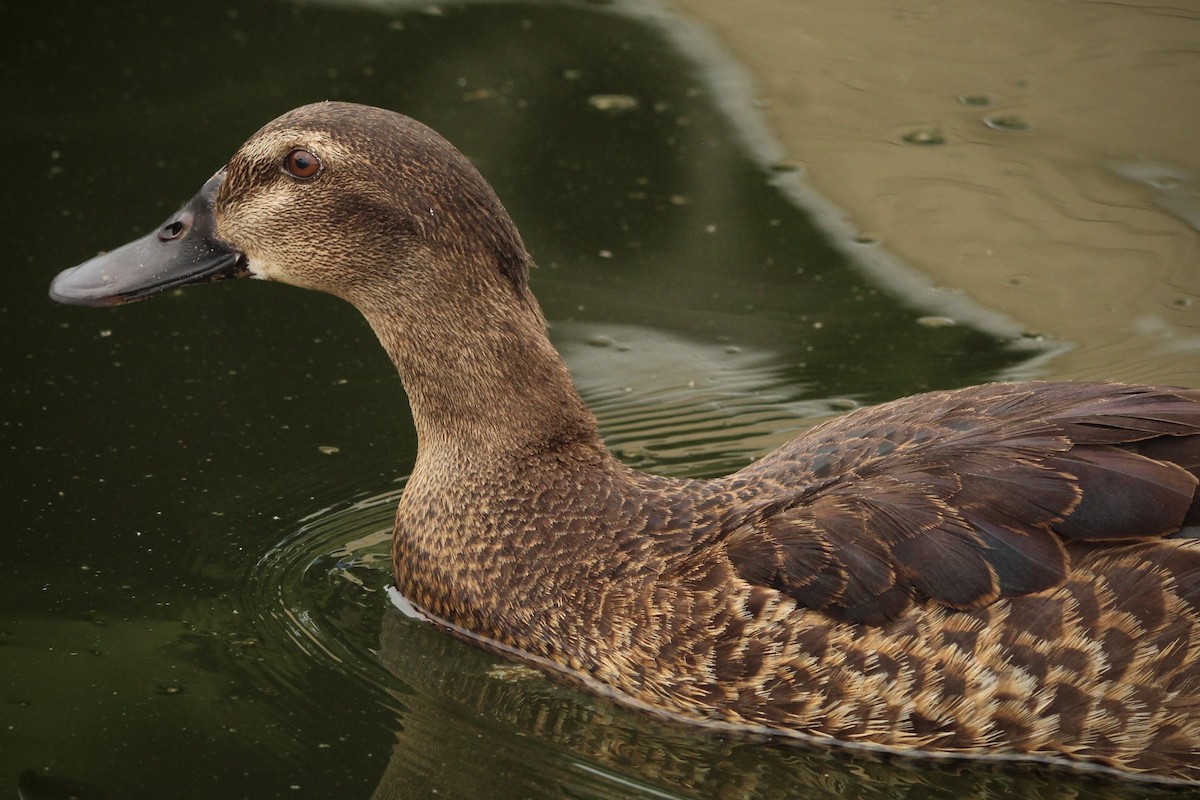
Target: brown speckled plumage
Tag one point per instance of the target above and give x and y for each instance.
(993, 571)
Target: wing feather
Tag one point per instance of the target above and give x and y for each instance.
(965, 497)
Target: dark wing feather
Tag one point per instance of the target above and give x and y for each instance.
(1026, 560)
(967, 496)
(1124, 494)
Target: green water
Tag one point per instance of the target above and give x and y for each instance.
(199, 487)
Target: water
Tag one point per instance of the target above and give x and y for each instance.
(200, 487)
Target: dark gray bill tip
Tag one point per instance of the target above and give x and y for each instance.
(79, 286)
(143, 268)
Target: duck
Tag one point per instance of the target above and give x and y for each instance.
(1008, 571)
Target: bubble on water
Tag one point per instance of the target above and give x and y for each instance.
(974, 99)
(924, 136)
(614, 103)
(1006, 122)
(936, 322)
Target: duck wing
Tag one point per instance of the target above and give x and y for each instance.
(964, 497)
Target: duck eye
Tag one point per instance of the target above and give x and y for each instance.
(301, 164)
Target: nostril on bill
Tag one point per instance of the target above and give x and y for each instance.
(170, 231)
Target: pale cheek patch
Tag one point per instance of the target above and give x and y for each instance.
(253, 228)
(258, 224)
(265, 206)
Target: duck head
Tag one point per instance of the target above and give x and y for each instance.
(336, 197)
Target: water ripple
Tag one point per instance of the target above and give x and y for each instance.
(677, 405)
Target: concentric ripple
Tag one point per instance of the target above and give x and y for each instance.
(320, 590)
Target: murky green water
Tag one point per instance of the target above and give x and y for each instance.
(200, 487)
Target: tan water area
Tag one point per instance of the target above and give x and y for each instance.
(1040, 157)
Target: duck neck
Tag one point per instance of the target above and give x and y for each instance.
(482, 378)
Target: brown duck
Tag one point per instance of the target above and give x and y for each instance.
(994, 571)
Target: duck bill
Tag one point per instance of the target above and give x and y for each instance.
(185, 249)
